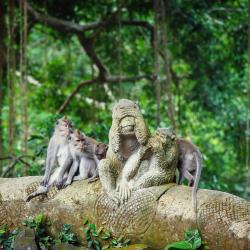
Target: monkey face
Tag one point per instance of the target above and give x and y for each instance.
(101, 150)
(127, 125)
(78, 140)
(65, 126)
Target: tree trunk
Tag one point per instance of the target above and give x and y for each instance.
(11, 75)
(164, 47)
(155, 216)
(23, 77)
(2, 61)
(156, 61)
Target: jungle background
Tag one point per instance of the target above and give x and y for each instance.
(185, 62)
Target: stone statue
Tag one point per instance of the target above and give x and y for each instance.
(135, 159)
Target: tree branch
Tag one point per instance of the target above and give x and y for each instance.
(111, 79)
(61, 25)
(87, 44)
(70, 97)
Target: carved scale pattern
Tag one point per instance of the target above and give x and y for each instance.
(10, 215)
(217, 216)
(224, 212)
(44, 197)
(133, 217)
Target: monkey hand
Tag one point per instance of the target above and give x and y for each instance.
(45, 181)
(59, 184)
(66, 183)
(124, 190)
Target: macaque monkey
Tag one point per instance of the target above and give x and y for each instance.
(101, 151)
(82, 149)
(189, 166)
(58, 152)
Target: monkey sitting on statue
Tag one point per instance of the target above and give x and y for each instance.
(189, 166)
(86, 153)
(58, 153)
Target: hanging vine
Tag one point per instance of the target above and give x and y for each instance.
(156, 61)
(11, 75)
(2, 61)
(23, 74)
(164, 51)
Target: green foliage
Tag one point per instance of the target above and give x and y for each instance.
(66, 235)
(98, 239)
(7, 238)
(40, 225)
(192, 241)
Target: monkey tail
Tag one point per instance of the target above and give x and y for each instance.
(40, 191)
(198, 159)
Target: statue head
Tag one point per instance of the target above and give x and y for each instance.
(127, 121)
(166, 136)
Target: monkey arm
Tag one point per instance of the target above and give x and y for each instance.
(66, 165)
(50, 160)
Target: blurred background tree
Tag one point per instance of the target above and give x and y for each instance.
(185, 62)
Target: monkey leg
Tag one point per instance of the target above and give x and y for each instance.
(64, 168)
(93, 179)
(94, 174)
(152, 178)
(72, 173)
(189, 177)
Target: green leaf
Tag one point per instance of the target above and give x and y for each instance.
(92, 226)
(105, 247)
(127, 241)
(99, 230)
(120, 238)
(86, 221)
(95, 234)
(90, 243)
(39, 218)
(179, 245)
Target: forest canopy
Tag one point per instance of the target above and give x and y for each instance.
(185, 62)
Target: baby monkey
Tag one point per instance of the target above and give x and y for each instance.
(86, 153)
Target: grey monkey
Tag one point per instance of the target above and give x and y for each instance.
(58, 152)
(189, 166)
(82, 149)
